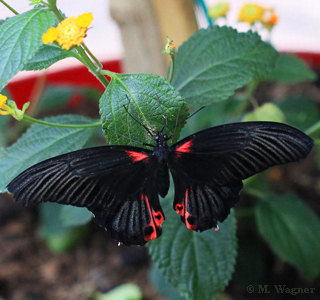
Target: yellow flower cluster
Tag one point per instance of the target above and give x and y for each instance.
(252, 13)
(249, 13)
(69, 32)
(218, 10)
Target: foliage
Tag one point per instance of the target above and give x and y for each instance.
(210, 66)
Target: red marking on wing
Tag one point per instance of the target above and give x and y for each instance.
(156, 219)
(137, 156)
(179, 208)
(187, 214)
(185, 147)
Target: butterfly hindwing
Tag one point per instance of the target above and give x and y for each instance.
(200, 204)
(116, 183)
(208, 166)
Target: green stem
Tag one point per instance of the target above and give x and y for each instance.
(9, 7)
(30, 119)
(172, 65)
(92, 67)
(255, 193)
(98, 63)
(314, 129)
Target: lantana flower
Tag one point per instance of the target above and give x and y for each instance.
(251, 13)
(9, 107)
(69, 32)
(218, 10)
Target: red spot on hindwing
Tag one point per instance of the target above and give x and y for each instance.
(137, 156)
(179, 208)
(156, 219)
(186, 147)
(187, 215)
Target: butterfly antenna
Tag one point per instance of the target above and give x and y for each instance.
(163, 114)
(177, 124)
(117, 133)
(138, 117)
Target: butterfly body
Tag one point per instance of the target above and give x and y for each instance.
(121, 185)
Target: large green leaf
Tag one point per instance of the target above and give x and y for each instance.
(292, 231)
(216, 61)
(300, 112)
(291, 69)
(42, 142)
(20, 39)
(266, 112)
(45, 57)
(148, 93)
(199, 265)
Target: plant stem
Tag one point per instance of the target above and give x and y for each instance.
(314, 129)
(30, 119)
(9, 7)
(172, 65)
(92, 67)
(255, 193)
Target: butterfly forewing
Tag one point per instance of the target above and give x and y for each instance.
(208, 166)
(116, 183)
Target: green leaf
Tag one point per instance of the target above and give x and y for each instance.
(266, 112)
(291, 69)
(42, 142)
(216, 61)
(54, 97)
(199, 265)
(45, 57)
(148, 93)
(58, 237)
(75, 216)
(300, 112)
(20, 39)
(127, 291)
(163, 287)
(292, 231)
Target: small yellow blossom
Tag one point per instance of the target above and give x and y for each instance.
(50, 36)
(69, 32)
(4, 109)
(218, 10)
(84, 20)
(251, 13)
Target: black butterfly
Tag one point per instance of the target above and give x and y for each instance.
(121, 185)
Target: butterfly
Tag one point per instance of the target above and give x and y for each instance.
(121, 185)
